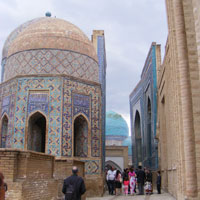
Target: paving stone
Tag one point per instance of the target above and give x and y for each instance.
(163, 196)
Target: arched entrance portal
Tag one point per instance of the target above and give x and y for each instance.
(149, 138)
(36, 132)
(80, 137)
(110, 164)
(138, 139)
(4, 131)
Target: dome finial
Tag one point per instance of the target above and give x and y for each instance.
(48, 14)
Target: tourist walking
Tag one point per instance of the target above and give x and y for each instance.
(140, 180)
(118, 183)
(125, 173)
(111, 180)
(3, 187)
(158, 182)
(74, 186)
(132, 180)
(126, 184)
(148, 183)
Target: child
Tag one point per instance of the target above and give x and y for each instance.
(126, 184)
(158, 182)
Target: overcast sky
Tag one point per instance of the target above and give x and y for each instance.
(130, 27)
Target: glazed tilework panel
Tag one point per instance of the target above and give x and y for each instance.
(54, 117)
(92, 167)
(51, 62)
(94, 92)
(38, 101)
(7, 104)
(102, 78)
(81, 104)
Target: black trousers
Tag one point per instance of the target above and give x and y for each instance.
(111, 186)
(158, 188)
(141, 188)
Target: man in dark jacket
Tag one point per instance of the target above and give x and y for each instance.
(73, 186)
(140, 180)
(158, 182)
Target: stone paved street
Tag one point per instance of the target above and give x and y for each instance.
(163, 196)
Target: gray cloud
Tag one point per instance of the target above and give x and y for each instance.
(130, 28)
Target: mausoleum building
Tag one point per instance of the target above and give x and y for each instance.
(51, 95)
(143, 112)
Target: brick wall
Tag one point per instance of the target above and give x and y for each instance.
(29, 175)
(63, 169)
(179, 102)
(32, 175)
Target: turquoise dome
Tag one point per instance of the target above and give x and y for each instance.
(116, 125)
(127, 142)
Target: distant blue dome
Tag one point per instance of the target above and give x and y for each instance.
(128, 142)
(116, 125)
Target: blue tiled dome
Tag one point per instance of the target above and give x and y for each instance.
(116, 125)
(127, 142)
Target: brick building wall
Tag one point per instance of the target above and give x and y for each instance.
(34, 176)
(178, 102)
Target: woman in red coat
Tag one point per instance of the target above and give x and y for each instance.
(3, 187)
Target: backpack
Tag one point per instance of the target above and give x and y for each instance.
(70, 192)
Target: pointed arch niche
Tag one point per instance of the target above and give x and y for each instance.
(138, 138)
(81, 130)
(36, 137)
(4, 131)
(149, 131)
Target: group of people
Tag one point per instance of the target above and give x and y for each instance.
(131, 180)
(74, 186)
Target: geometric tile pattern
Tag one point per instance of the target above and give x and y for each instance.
(53, 85)
(56, 97)
(38, 101)
(101, 53)
(5, 105)
(93, 91)
(7, 102)
(81, 104)
(92, 167)
(48, 61)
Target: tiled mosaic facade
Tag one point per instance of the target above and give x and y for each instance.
(143, 104)
(60, 105)
(51, 62)
(98, 38)
(92, 167)
(90, 91)
(53, 85)
(51, 100)
(81, 104)
(7, 102)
